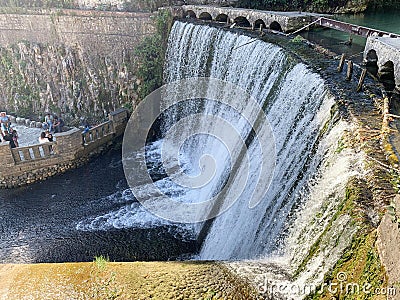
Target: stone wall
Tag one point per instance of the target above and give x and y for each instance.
(387, 49)
(119, 5)
(67, 152)
(71, 62)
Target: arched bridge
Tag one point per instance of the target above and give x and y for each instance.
(279, 21)
(384, 54)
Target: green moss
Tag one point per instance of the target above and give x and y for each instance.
(341, 146)
(354, 194)
(298, 39)
(151, 54)
(360, 261)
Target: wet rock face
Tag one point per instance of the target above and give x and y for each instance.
(38, 78)
(81, 63)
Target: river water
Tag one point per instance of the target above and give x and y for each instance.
(333, 39)
(39, 223)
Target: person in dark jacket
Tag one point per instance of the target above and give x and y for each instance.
(9, 138)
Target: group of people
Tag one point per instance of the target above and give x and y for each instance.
(8, 133)
(52, 124)
(45, 137)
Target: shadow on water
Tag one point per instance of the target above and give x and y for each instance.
(38, 222)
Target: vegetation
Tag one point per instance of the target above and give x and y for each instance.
(360, 266)
(151, 54)
(319, 5)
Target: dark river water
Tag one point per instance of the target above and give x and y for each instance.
(333, 39)
(38, 222)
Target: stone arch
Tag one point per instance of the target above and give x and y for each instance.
(386, 75)
(259, 23)
(222, 18)
(371, 62)
(242, 22)
(205, 16)
(275, 26)
(190, 14)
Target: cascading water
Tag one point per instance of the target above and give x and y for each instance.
(309, 176)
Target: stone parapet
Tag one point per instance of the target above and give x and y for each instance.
(25, 165)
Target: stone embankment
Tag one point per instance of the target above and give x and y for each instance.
(25, 165)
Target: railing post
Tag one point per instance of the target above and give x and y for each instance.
(341, 63)
(36, 152)
(27, 155)
(349, 70)
(361, 81)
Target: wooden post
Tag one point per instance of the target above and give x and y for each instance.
(349, 70)
(261, 27)
(253, 26)
(361, 81)
(341, 63)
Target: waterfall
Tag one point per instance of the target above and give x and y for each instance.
(291, 211)
(292, 95)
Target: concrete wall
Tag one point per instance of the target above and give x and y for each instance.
(94, 32)
(387, 49)
(67, 152)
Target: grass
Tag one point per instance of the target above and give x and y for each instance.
(101, 262)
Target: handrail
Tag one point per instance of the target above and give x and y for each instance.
(354, 29)
(97, 132)
(34, 152)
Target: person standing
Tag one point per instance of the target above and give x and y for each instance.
(5, 122)
(58, 124)
(9, 138)
(14, 134)
(48, 119)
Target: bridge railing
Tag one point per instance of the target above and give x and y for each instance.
(35, 152)
(97, 132)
